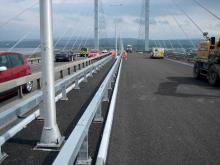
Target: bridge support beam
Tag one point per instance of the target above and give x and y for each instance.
(51, 137)
(147, 16)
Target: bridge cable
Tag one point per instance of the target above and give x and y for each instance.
(206, 9)
(184, 12)
(21, 39)
(18, 14)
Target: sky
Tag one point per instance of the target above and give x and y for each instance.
(75, 18)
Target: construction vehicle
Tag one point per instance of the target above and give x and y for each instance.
(207, 61)
(157, 53)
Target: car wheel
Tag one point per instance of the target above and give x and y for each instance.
(196, 71)
(28, 87)
(213, 76)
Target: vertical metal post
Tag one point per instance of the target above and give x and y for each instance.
(2, 155)
(96, 24)
(98, 116)
(50, 136)
(147, 15)
(83, 156)
(116, 39)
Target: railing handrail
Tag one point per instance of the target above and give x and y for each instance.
(70, 150)
(5, 86)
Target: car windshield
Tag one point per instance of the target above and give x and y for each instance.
(84, 49)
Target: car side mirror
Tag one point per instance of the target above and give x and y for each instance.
(3, 68)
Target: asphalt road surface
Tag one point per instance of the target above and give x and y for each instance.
(164, 117)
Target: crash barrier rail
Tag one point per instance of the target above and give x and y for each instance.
(18, 83)
(32, 60)
(12, 111)
(76, 147)
(38, 59)
(104, 145)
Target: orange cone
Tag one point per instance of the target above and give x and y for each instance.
(125, 56)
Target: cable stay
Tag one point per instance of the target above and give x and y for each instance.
(18, 14)
(184, 12)
(184, 32)
(21, 39)
(206, 9)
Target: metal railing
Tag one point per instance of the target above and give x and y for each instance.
(10, 112)
(18, 83)
(76, 147)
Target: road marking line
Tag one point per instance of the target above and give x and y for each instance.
(179, 62)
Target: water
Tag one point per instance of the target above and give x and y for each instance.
(25, 51)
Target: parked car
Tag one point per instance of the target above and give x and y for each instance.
(105, 51)
(65, 56)
(12, 66)
(83, 52)
(93, 53)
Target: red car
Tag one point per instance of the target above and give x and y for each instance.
(13, 66)
(93, 53)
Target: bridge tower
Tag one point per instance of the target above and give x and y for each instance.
(147, 16)
(96, 23)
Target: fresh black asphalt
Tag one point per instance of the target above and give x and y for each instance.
(163, 116)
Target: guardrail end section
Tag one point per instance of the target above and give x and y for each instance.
(3, 155)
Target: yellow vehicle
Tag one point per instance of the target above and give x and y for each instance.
(208, 60)
(157, 53)
(83, 52)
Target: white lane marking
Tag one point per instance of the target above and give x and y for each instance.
(180, 62)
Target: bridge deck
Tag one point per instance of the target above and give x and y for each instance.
(164, 116)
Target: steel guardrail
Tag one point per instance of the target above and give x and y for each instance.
(22, 106)
(10, 112)
(36, 76)
(78, 140)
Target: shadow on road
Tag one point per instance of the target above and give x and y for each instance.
(170, 88)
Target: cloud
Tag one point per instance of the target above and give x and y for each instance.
(79, 15)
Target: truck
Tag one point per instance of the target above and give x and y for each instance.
(207, 61)
(157, 53)
(129, 49)
(83, 52)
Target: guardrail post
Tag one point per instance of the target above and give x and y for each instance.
(50, 137)
(20, 92)
(64, 95)
(85, 78)
(61, 74)
(83, 157)
(110, 85)
(68, 70)
(74, 68)
(105, 97)
(98, 116)
(41, 117)
(38, 84)
(90, 74)
(3, 155)
(77, 84)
